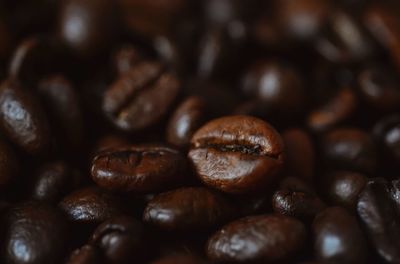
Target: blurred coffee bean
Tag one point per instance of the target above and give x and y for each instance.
(338, 109)
(338, 237)
(87, 26)
(298, 141)
(33, 233)
(379, 88)
(139, 168)
(121, 240)
(62, 103)
(380, 217)
(237, 154)
(342, 188)
(9, 164)
(179, 259)
(387, 133)
(22, 119)
(85, 255)
(186, 119)
(277, 84)
(350, 149)
(190, 208)
(264, 238)
(90, 206)
(141, 97)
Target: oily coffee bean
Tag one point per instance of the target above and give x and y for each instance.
(179, 259)
(9, 164)
(338, 237)
(121, 240)
(90, 206)
(266, 238)
(22, 119)
(380, 217)
(237, 154)
(85, 255)
(190, 208)
(141, 97)
(33, 233)
(349, 148)
(87, 26)
(342, 188)
(187, 118)
(139, 168)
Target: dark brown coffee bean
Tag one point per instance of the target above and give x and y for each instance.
(378, 86)
(302, 166)
(277, 84)
(338, 109)
(266, 238)
(8, 164)
(85, 255)
(121, 240)
(88, 26)
(90, 206)
(140, 97)
(33, 233)
(138, 168)
(352, 149)
(62, 103)
(21, 118)
(387, 133)
(187, 118)
(237, 154)
(53, 181)
(381, 219)
(190, 208)
(179, 259)
(338, 237)
(342, 188)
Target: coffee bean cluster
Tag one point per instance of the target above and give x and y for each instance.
(199, 131)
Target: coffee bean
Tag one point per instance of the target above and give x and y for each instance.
(121, 240)
(266, 238)
(85, 255)
(349, 148)
(22, 119)
(187, 118)
(140, 97)
(27, 224)
(237, 154)
(387, 133)
(342, 188)
(338, 237)
(9, 165)
(380, 218)
(138, 168)
(88, 26)
(190, 208)
(90, 206)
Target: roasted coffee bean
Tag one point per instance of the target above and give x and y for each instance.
(378, 86)
(338, 109)
(62, 103)
(187, 118)
(88, 26)
(22, 119)
(277, 84)
(8, 164)
(52, 181)
(121, 240)
(298, 141)
(349, 148)
(140, 97)
(387, 133)
(139, 168)
(190, 208)
(342, 188)
(85, 255)
(381, 220)
(237, 154)
(179, 259)
(33, 233)
(90, 206)
(266, 238)
(338, 237)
